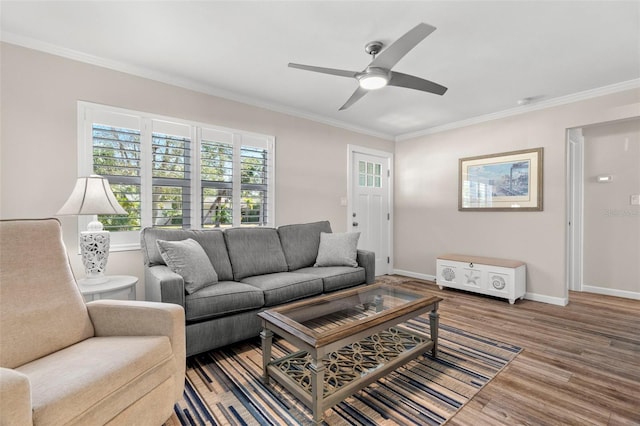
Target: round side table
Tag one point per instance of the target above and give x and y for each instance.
(112, 289)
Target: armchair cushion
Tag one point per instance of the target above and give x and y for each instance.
(37, 317)
(97, 378)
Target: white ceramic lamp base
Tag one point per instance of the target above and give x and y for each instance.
(94, 247)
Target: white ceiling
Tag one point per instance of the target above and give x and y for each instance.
(489, 54)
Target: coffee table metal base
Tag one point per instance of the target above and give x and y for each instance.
(321, 380)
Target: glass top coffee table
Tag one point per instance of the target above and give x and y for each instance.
(346, 341)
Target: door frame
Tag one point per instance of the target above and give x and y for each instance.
(575, 210)
(351, 150)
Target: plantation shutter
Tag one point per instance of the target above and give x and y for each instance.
(254, 188)
(216, 175)
(171, 174)
(116, 143)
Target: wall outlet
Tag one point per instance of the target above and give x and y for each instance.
(635, 200)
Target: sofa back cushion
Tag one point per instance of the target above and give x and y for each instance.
(41, 308)
(254, 251)
(300, 243)
(211, 240)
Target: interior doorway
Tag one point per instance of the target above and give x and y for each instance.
(603, 208)
(369, 209)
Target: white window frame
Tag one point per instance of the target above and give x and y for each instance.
(89, 113)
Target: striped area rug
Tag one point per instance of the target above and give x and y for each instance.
(223, 387)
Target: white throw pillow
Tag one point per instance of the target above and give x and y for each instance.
(338, 249)
(188, 259)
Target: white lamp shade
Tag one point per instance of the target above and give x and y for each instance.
(91, 195)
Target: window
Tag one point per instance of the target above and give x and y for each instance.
(176, 174)
(369, 174)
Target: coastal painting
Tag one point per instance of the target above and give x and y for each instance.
(506, 181)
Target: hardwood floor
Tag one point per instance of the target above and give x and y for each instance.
(580, 364)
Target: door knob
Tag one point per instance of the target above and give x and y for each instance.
(355, 223)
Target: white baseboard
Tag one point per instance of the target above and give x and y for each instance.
(612, 292)
(561, 301)
(415, 275)
(552, 300)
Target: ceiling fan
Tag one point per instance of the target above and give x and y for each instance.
(378, 74)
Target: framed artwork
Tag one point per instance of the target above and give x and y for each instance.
(510, 181)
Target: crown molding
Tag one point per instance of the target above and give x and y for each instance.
(575, 97)
(174, 80)
(178, 81)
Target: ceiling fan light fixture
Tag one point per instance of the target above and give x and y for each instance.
(373, 79)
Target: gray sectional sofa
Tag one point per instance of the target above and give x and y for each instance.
(256, 268)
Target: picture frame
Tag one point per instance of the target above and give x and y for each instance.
(509, 181)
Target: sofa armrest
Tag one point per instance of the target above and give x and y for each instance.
(163, 285)
(367, 259)
(15, 398)
(138, 318)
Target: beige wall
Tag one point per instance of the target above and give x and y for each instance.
(427, 220)
(38, 157)
(611, 223)
(39, 94)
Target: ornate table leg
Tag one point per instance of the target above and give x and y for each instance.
(267, 338)
(434, 320)
(317, 389)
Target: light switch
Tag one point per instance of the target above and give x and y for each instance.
(635, 200)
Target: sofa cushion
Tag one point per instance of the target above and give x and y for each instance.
(300, 243)
(254, 251)
(130, 367)
(285, 286)
(338, 249)
(188, 259)
(211, 240)
(336, 277)
(224, 298)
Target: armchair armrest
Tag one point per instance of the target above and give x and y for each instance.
(138, 318)
(367, 259)
(15, 398)
(163, 285)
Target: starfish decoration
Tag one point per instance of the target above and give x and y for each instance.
(471, 279)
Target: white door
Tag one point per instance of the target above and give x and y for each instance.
(370, 209)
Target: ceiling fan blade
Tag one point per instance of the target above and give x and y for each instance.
(359, 93)
(392, 54)
(332, 71)
(399, 79)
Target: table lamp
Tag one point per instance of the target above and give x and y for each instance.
(92, 195)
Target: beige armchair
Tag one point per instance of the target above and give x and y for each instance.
(66, 362)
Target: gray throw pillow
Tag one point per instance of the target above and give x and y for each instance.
(188, 259)
(338, 249)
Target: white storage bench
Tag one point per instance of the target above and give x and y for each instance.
(495, 277)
